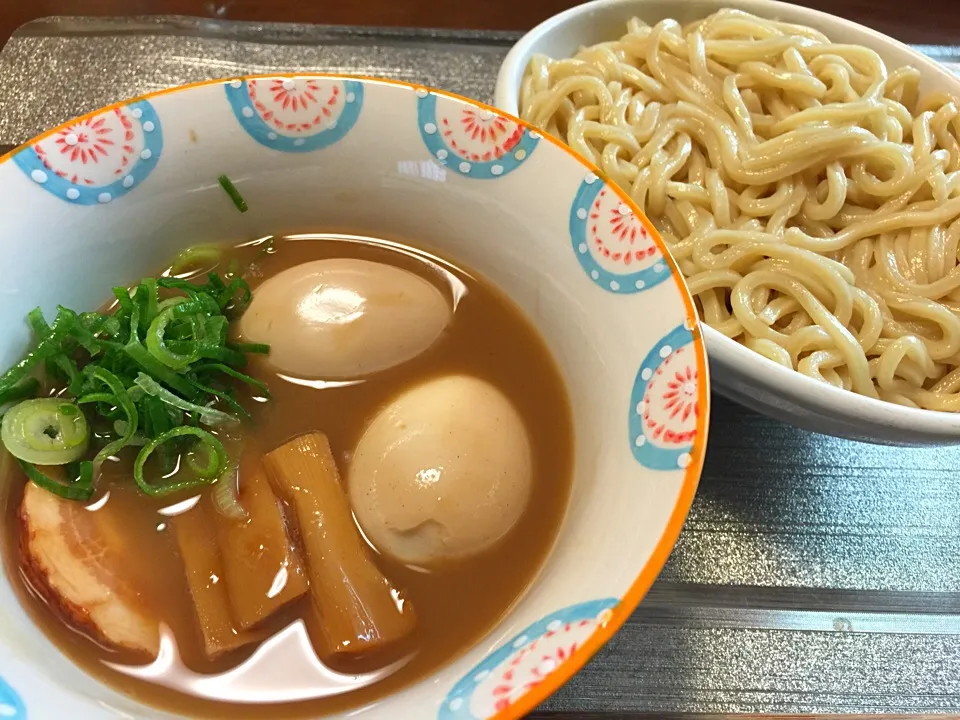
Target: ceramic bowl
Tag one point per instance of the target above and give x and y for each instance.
(112, 195)
(739, 373)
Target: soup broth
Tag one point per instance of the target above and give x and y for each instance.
(456, 602)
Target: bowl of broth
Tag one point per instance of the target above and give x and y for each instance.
(315, 402)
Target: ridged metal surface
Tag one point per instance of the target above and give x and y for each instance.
(813, 575)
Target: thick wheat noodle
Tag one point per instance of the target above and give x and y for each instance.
(808, 193)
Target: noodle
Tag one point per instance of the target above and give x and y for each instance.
(808, 194)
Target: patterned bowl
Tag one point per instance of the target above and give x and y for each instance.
(117, 192)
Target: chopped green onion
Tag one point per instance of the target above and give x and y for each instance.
(150, 373)
(45, 431)
(232, 191)
(196, 256)
(216, 453)
(155, 339)
(208, 415)
(157, 369)
(236, 374)
(49, 346)
(226, 495)
(27, 388)
(121, 398)
(250, 348)
(79, 489)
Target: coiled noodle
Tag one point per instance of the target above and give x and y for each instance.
(809, 196)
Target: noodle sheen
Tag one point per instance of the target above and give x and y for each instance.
(809, 195)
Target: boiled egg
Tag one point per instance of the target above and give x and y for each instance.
(442, 472)
(344, 318)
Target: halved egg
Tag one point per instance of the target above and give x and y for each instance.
(442, 472)
(344, 318)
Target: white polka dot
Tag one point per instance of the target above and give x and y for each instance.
(496, 170)
(646, 374)
(548, 666)
(665, 351)
(614, 285)
(7, 710)
(624, 209)
(582, 247)
(640, 441)
(71, 139)
(430, 128)
(73, 194)
(535, 135)
(247, 112)
(684, 460)
(271, 136)
(689, 388)
(420, 93)
(146, 154)
(639, 284)
(235, 83)
(520, 641)
(456, 704)
(333, 124)
(464, 167)
(104, 197)
(595, 275)
(481, 676)
(554, 625)
(520, 154)
(137, 113)
(659, 267)
(299, 141)
(288, 84)
(351, 97)
(442, 154)
(582, 213)
(487, 114)
(640, 408)
(590, 179)
(39, 176)
(148, 126)
(128, 181)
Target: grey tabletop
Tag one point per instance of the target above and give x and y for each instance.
(814, 575)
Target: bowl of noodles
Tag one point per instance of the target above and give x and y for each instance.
(803, 170)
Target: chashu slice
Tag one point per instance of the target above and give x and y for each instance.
(79, 562)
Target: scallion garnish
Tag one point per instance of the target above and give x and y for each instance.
(47, 431)
(79, 487)
(148, 375)
(234, 194)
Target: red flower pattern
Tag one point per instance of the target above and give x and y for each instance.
(619, 236)
(89, 141)
(480, 138)
(507, 689)
(304, 104)
(666, 417)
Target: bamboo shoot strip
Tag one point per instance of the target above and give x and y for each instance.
(360, 610)
(262, 569)
(197, 540)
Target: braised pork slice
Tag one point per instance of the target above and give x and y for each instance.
(78, 560)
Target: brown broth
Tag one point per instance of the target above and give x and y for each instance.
(455, 606)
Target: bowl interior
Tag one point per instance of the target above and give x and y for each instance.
(739, 373)
(386, 167)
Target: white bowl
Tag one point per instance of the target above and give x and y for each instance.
(738, 373)
(388, 165)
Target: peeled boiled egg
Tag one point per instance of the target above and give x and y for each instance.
(442, 472)
(344, 318)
